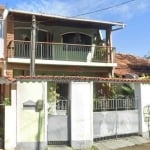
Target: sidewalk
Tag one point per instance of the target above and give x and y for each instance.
(121, 142)
(112, 144)
(145, 146)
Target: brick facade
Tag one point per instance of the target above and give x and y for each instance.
(10, 35)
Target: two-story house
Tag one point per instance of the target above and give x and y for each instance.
(42, 44)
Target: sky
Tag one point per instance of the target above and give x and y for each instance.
(133, 39)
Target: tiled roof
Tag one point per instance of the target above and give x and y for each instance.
(131, 64)
(80, 79)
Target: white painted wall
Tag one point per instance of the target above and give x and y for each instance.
(28, 119)
(81, 114)
(142, 92)
(10, 123)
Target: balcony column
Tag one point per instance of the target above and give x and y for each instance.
(109, 46)
(33, 42)
(108, 43)
(109, 37)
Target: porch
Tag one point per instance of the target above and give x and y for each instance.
(62, 52)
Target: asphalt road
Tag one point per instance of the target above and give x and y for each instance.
(137, 147)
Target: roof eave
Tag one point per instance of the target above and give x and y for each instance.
(119, 24)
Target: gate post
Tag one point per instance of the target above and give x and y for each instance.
(81, 94)
(10, 123)
(142, 92)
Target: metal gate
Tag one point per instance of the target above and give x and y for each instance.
(58, 124)
(115, 117)
(59, 114)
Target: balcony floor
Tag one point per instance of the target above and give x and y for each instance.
(66, 63)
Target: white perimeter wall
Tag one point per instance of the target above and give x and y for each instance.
(28, 119)
(142, 92)
(81, 114)
(10, 123)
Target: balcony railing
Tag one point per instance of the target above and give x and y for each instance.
(62, 51)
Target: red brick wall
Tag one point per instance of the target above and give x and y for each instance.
(10, 34)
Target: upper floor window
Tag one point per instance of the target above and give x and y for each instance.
(76, 38)
(1, 29)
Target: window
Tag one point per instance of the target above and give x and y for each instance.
(77, 38)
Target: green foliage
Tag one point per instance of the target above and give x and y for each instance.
(52, 97)
(93, 148)
(7, 101)
(127, 90)
(122, 91)
(107, 90)
(52, 93)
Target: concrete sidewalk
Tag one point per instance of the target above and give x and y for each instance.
(120, 143)
(112, 144)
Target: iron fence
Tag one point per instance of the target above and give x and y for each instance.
(62, 104)
(114, 104)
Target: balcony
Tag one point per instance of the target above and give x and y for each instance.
(62, 52)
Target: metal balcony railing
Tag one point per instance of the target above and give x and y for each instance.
(62, 51)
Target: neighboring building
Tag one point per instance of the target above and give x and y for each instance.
(60, 45)
(130, 64)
